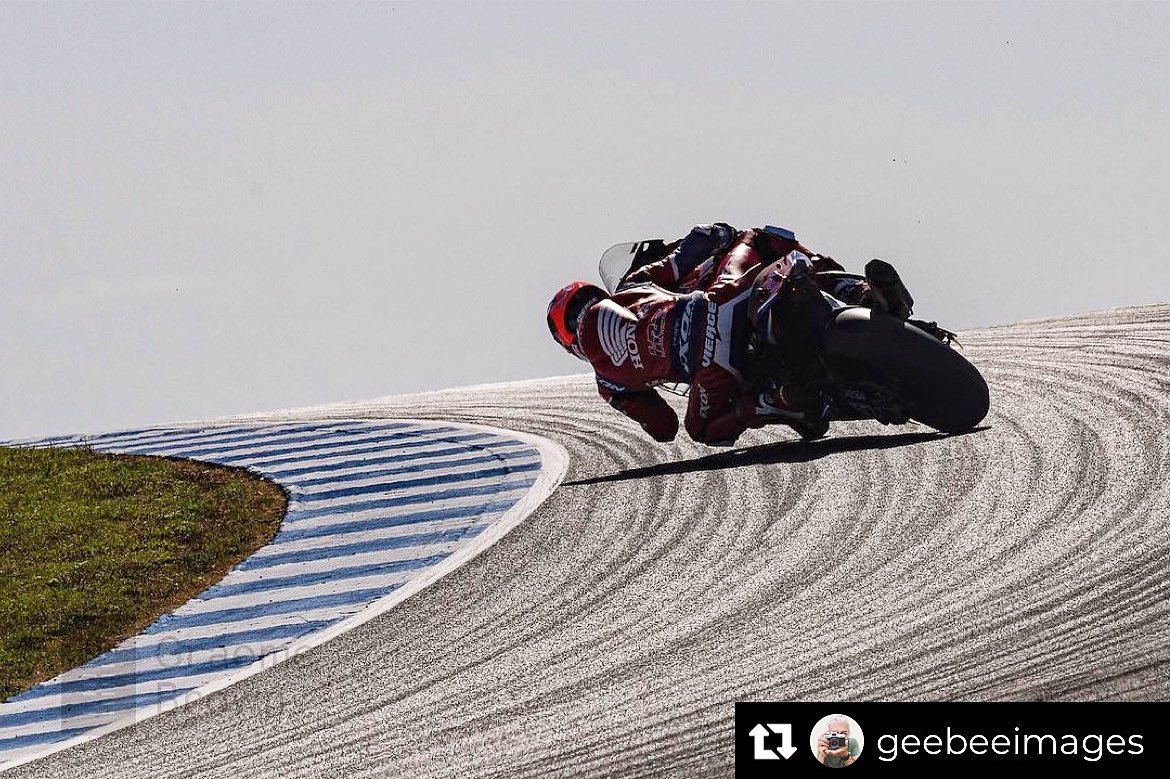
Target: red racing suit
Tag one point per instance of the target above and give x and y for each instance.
(652, 331)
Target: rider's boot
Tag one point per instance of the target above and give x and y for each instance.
(805, 413)
(888, 290)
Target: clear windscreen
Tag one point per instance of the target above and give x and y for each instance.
(615, 263)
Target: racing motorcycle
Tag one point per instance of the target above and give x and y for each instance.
(865, 363)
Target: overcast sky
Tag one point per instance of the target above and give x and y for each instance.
(209, 209)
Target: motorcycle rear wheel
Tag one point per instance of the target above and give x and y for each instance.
(936, 384)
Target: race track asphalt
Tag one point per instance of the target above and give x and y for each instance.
(610, 633)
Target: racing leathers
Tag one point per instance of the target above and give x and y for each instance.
(683, 319)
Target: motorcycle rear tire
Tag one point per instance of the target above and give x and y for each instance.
(936, 384)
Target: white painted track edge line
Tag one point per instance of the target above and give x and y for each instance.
(554, 466)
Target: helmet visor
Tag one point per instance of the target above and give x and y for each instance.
(577, 306)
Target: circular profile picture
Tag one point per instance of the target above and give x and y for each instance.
(836, 740)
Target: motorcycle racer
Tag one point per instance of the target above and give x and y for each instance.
(685, 318)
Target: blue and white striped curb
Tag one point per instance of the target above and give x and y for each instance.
(377, 511)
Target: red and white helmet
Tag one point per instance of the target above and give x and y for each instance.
(565, 310)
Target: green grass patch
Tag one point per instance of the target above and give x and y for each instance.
(94, 547)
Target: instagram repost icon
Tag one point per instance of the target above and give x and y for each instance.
(836, 740)
(760, 734)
